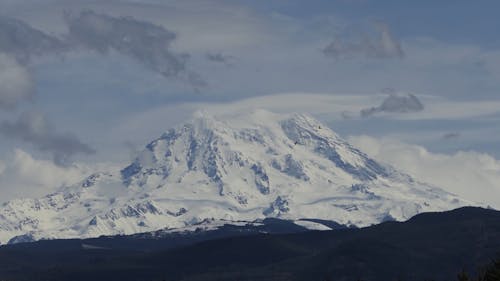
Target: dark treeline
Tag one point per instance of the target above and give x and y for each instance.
(445, 246)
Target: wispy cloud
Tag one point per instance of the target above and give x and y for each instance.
(33, 128)
(378, 43)
(16, 83)
(395, 103)
(220, 58)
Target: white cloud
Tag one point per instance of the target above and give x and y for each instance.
(472, 175)
(24, 176)
(16, 83)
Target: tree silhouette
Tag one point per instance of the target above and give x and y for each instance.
(463, 276)
(493, 271)
(490, 273)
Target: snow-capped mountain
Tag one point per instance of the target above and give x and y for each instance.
(229, 168)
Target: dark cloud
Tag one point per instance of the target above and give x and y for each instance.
(22, 41)
(143, 41)
(379, 43)
(347, 115)
(33, 128)
(451, 136)
(395, 103)
(219, 58)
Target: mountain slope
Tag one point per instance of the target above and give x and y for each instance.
(229, 168)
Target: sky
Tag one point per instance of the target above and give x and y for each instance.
(86, 84)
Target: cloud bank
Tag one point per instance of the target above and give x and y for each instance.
(34, 128)
(472, 175)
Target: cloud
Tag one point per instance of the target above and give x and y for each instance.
(22, 41)
(380, 44)
(219, 58)
(16, 83)
(143, 41)
(24, 176)
(395, 103)
(33, 128)
(172, 114)
(341, 110)
(472, 175)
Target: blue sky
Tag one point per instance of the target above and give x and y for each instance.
(111, 95)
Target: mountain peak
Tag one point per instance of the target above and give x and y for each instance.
(235, 168)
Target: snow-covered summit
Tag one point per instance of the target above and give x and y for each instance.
(231, 168)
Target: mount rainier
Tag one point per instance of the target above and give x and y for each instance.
(216, 169)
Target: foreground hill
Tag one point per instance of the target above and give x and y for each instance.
(232, 168)
(430, 246)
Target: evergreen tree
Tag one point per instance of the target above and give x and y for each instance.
(493, 271)
(463, 276)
